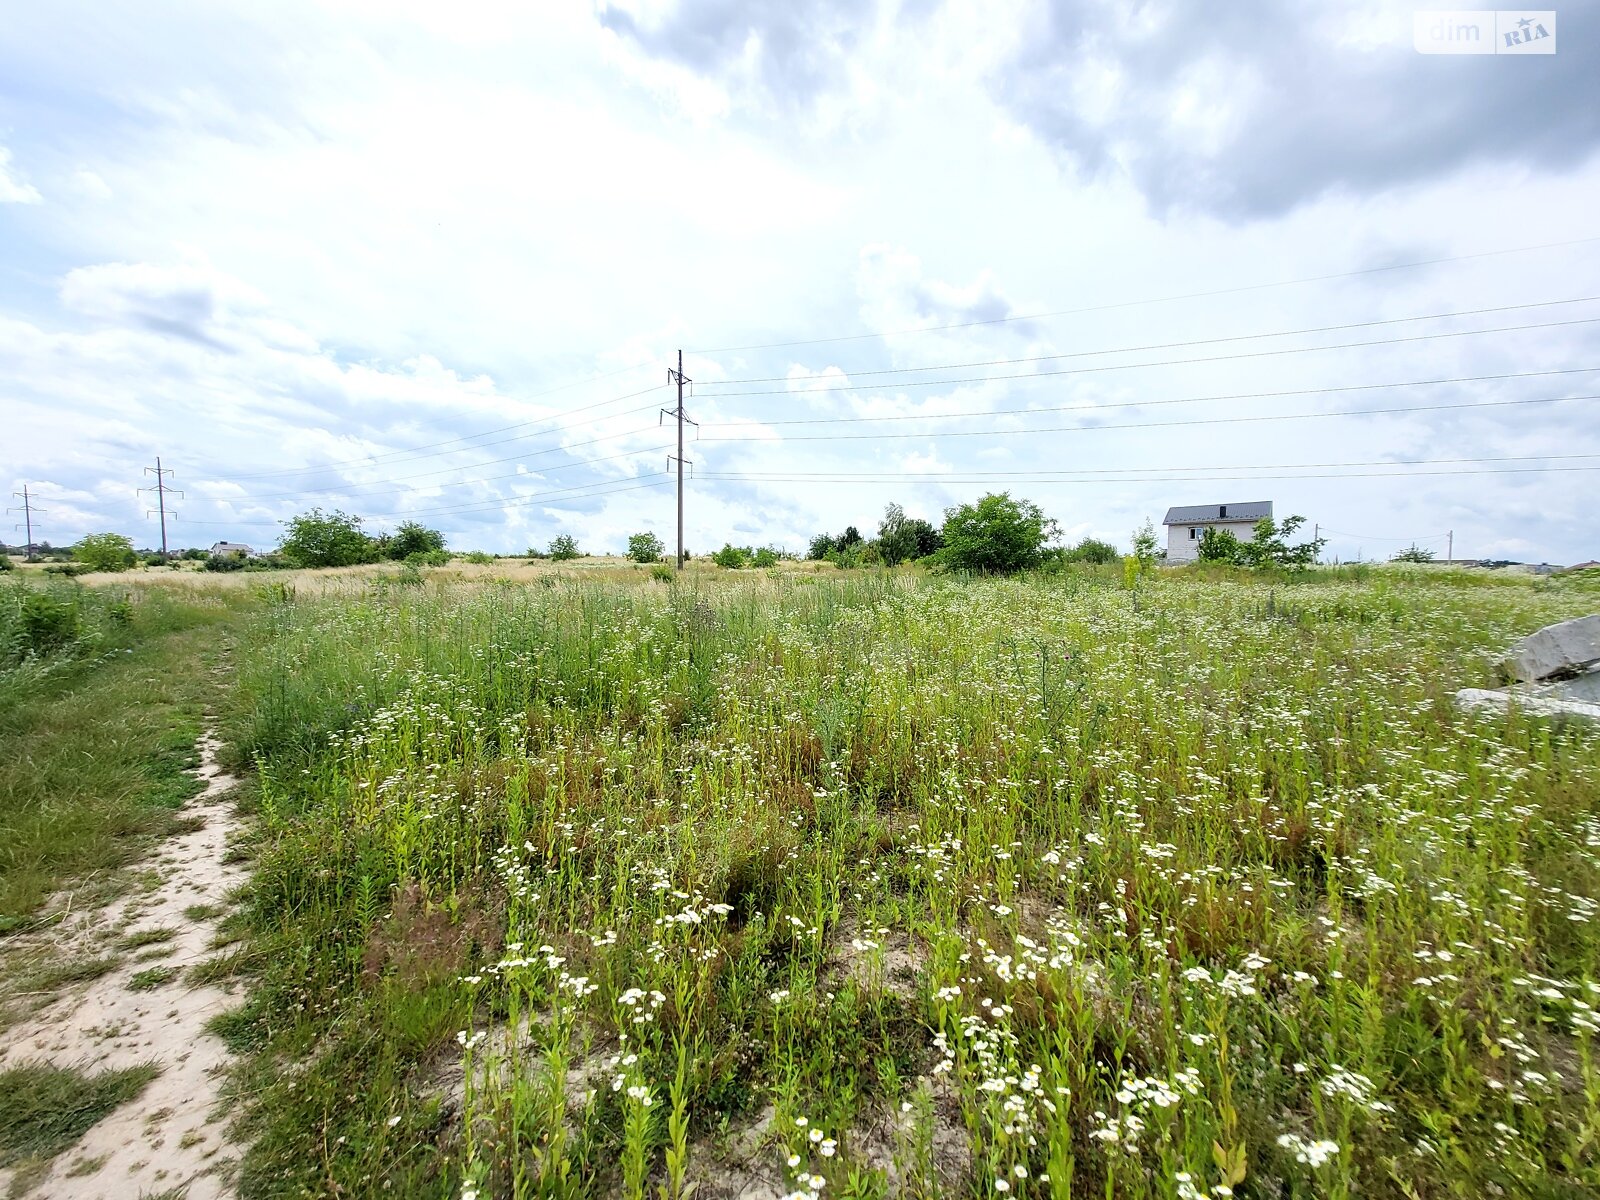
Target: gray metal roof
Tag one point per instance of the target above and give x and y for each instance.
(1194, 514)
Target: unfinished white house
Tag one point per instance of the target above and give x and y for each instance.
(236, 548)
(1186, 522)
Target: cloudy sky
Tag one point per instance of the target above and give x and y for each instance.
(414, 259)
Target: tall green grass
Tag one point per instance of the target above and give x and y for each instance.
(878, 883)
(96, 732)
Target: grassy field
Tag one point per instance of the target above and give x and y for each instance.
(102, 692)
(854, 885)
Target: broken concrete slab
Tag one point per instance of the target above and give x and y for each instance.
(1548, 704)
(1556, 650)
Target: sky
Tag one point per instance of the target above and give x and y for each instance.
(432, 262)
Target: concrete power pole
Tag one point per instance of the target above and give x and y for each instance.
(680, 379)
(161, 489)
(27, 521)
(1450, 546)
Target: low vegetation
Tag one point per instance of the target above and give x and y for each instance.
(1137, 885)
(45, 1109)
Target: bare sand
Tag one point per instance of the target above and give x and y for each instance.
(173, 1135)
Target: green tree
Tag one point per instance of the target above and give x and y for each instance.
(1092, 550)
(413, 538)
(1270, 545)
(327, 539)
(997, 534)
(563, 547)
(105, 552)
(1220, 546)
(731, 556)
(1413, 554)
(902, 538)
(823, 546)
(1145, 546)
(645, 548)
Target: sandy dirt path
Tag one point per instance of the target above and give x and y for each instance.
(172, 1137)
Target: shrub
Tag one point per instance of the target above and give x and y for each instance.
(822, 547)
(47, 622)
(6, 563)
(731, 556)
(432, 558)
(1092, 550)
(997, 535)
(225, 562)
(1145, 546)
(564, 547)
(68, 569)
(902, 538)
(662, 573)
(645, 548)
(1220, 546)
(334, 539)
(105, 552)
(479, 558)
(414, 538)
(1413, 554)
(764, 557)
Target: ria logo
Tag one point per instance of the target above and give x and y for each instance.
(1484, 31)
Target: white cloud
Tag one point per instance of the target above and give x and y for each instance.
(13, 190)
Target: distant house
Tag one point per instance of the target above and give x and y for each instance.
(225, 548)
(1186, 522)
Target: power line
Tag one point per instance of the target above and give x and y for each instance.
(572, 493)
(1012, 412)
(1361, 537)
(1353, 412)
(1182, 478)
(1167, 362)
(355, 495)
(554, 426)
(1232, 291)
(1046, 475)
(1236, 337)
(610, 437)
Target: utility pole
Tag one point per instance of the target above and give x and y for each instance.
(27, 518)
(1450, 546)
(161, 489)
(680, 379)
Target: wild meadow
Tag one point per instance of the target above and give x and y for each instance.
(882, 884)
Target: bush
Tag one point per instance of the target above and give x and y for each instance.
(414, 538)
(68, 569)
(6, 563)
(996, 535)
(645, 548)
(902, 538)
(1092, 550)
(662, 573)
(46, 622)
(732, 557)
(1413, 554)
(432, 558)
(564, 547)
(335, 539)
(105, 552)
(225, 562)
(479, 558)
(194, 554)
(764, 557)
